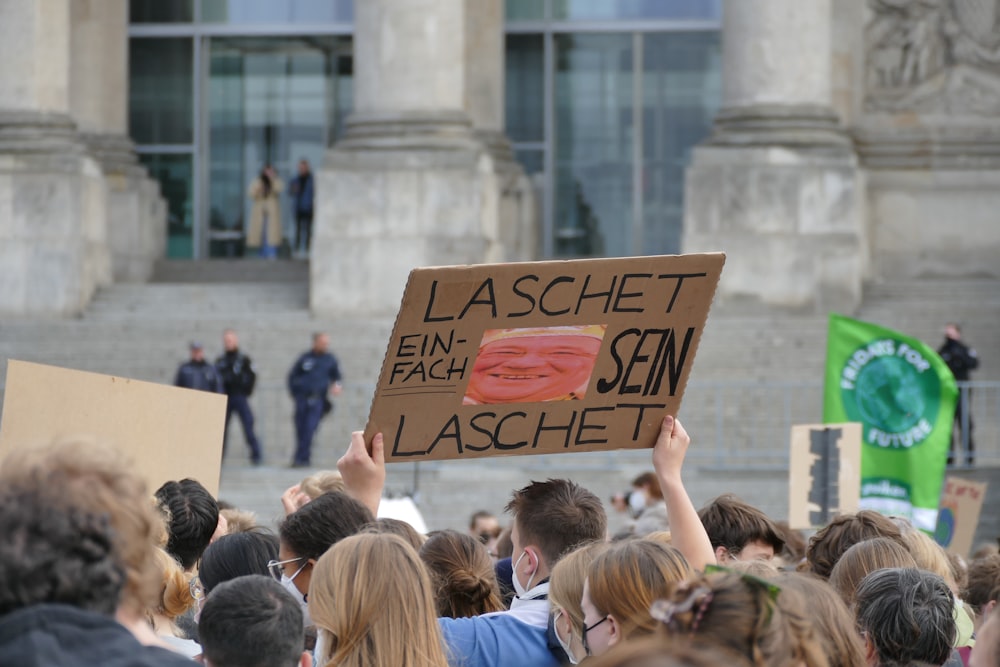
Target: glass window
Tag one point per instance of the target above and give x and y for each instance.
(532, 159)
(524, 10)
(593, 106)
(270, 11)
(637, 9)
(176, 176)
(524, 98)
(158, 11)
(681, 90)
(161, 90)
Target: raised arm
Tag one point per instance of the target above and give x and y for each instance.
(364, 473)
(686, 530)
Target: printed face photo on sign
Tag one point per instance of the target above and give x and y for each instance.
(534, 364)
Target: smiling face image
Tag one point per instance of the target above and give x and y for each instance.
(532, 365)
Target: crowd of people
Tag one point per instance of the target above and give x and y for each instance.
(97, 570)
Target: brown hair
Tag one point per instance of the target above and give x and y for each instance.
(732, 524)
(649, 480)
(396, 527)
(742, 614)
(566, 582)
(832, 620)
(462, 574)
(829, 544)
(557, 515)
(795, 544)
(864, 558)
(761, 569)
(983, 585)
(627, 577)
(98, 479)
(373, 596)
(668, 652)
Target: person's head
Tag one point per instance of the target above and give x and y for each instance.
(660, 651)
(953, 331)
(864, 558)
(396, 527)
(986, 653)
(237, 521)
(320, 482)
(251, 621)
(550, 519)
(230, 341)
(645, 488)
(795, 544)
(192, 519)
(465, 583)
(237, 555)
(536, 364)
(905, 615)
(739, 531)
(321, 342)
(484, 526)
(565, 593)
(372, 601)
(623, 582)
(197, 351)
(753, 617)
(929, 556)
(95, 480)
(831, 618)
(54, 551)
(829, 544)
(982, 588)
(303, 166)
(308, 532)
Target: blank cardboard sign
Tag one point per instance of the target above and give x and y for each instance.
(540, 357)
(824, 473)
(169, 433)
(958, 517)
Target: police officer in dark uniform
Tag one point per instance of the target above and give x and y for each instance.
(962, 360)
(314, 375)
(198, 373)
(238, 379)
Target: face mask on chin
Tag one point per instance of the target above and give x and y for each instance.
(288, 583)
(518, 588)
(637, 502)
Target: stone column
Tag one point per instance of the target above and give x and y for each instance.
(414, 182)
(52, 197)
(99, 104)
(777, 184)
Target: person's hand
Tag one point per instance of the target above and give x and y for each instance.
(364, 473)
(671, 446)
(293, 499)
(336, 389)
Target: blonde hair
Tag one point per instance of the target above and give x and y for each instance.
(864, 558)
(372, 595)
(659, 536)
(320, 482)
(175, 594)
(97, 478)
(761, 569)
(239, 521)
(929, 556)
(832, 620)
(566, 582)
(626, 578)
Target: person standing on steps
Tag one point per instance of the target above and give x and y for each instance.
(238, 378)
(314, 376)
(303, 191)
(265, 231)
(196, 373)
(962, 360)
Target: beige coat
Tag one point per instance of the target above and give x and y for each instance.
(265, 206)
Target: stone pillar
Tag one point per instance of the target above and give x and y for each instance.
(414, 181)
(137, 216)
(52, 197)
(777, 186)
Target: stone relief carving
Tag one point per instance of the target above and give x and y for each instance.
(932, 56)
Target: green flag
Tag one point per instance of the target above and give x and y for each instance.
(904, 396)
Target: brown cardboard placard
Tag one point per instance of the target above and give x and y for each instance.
(169, 433)
(540, 357)
(824, 473)
(958, 515)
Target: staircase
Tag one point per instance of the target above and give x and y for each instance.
(733, 406)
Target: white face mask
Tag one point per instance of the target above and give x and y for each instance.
(288, 583)
(518, 588)
(637, 502)
(320, 651)
(565, 645)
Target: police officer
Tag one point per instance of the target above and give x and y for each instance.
(238, 377)
(198, 373)
(962, 360)
(314, 375)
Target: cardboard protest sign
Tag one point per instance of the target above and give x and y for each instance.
(958, 516)
(824, 469)
(169, 433)
(540, 357)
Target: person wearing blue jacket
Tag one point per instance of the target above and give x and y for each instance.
(313, 376)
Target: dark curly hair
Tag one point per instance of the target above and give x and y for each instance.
(318, 525)
(193, 516)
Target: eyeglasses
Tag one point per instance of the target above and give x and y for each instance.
(277, 567)
(197, 589)
(588, 628)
